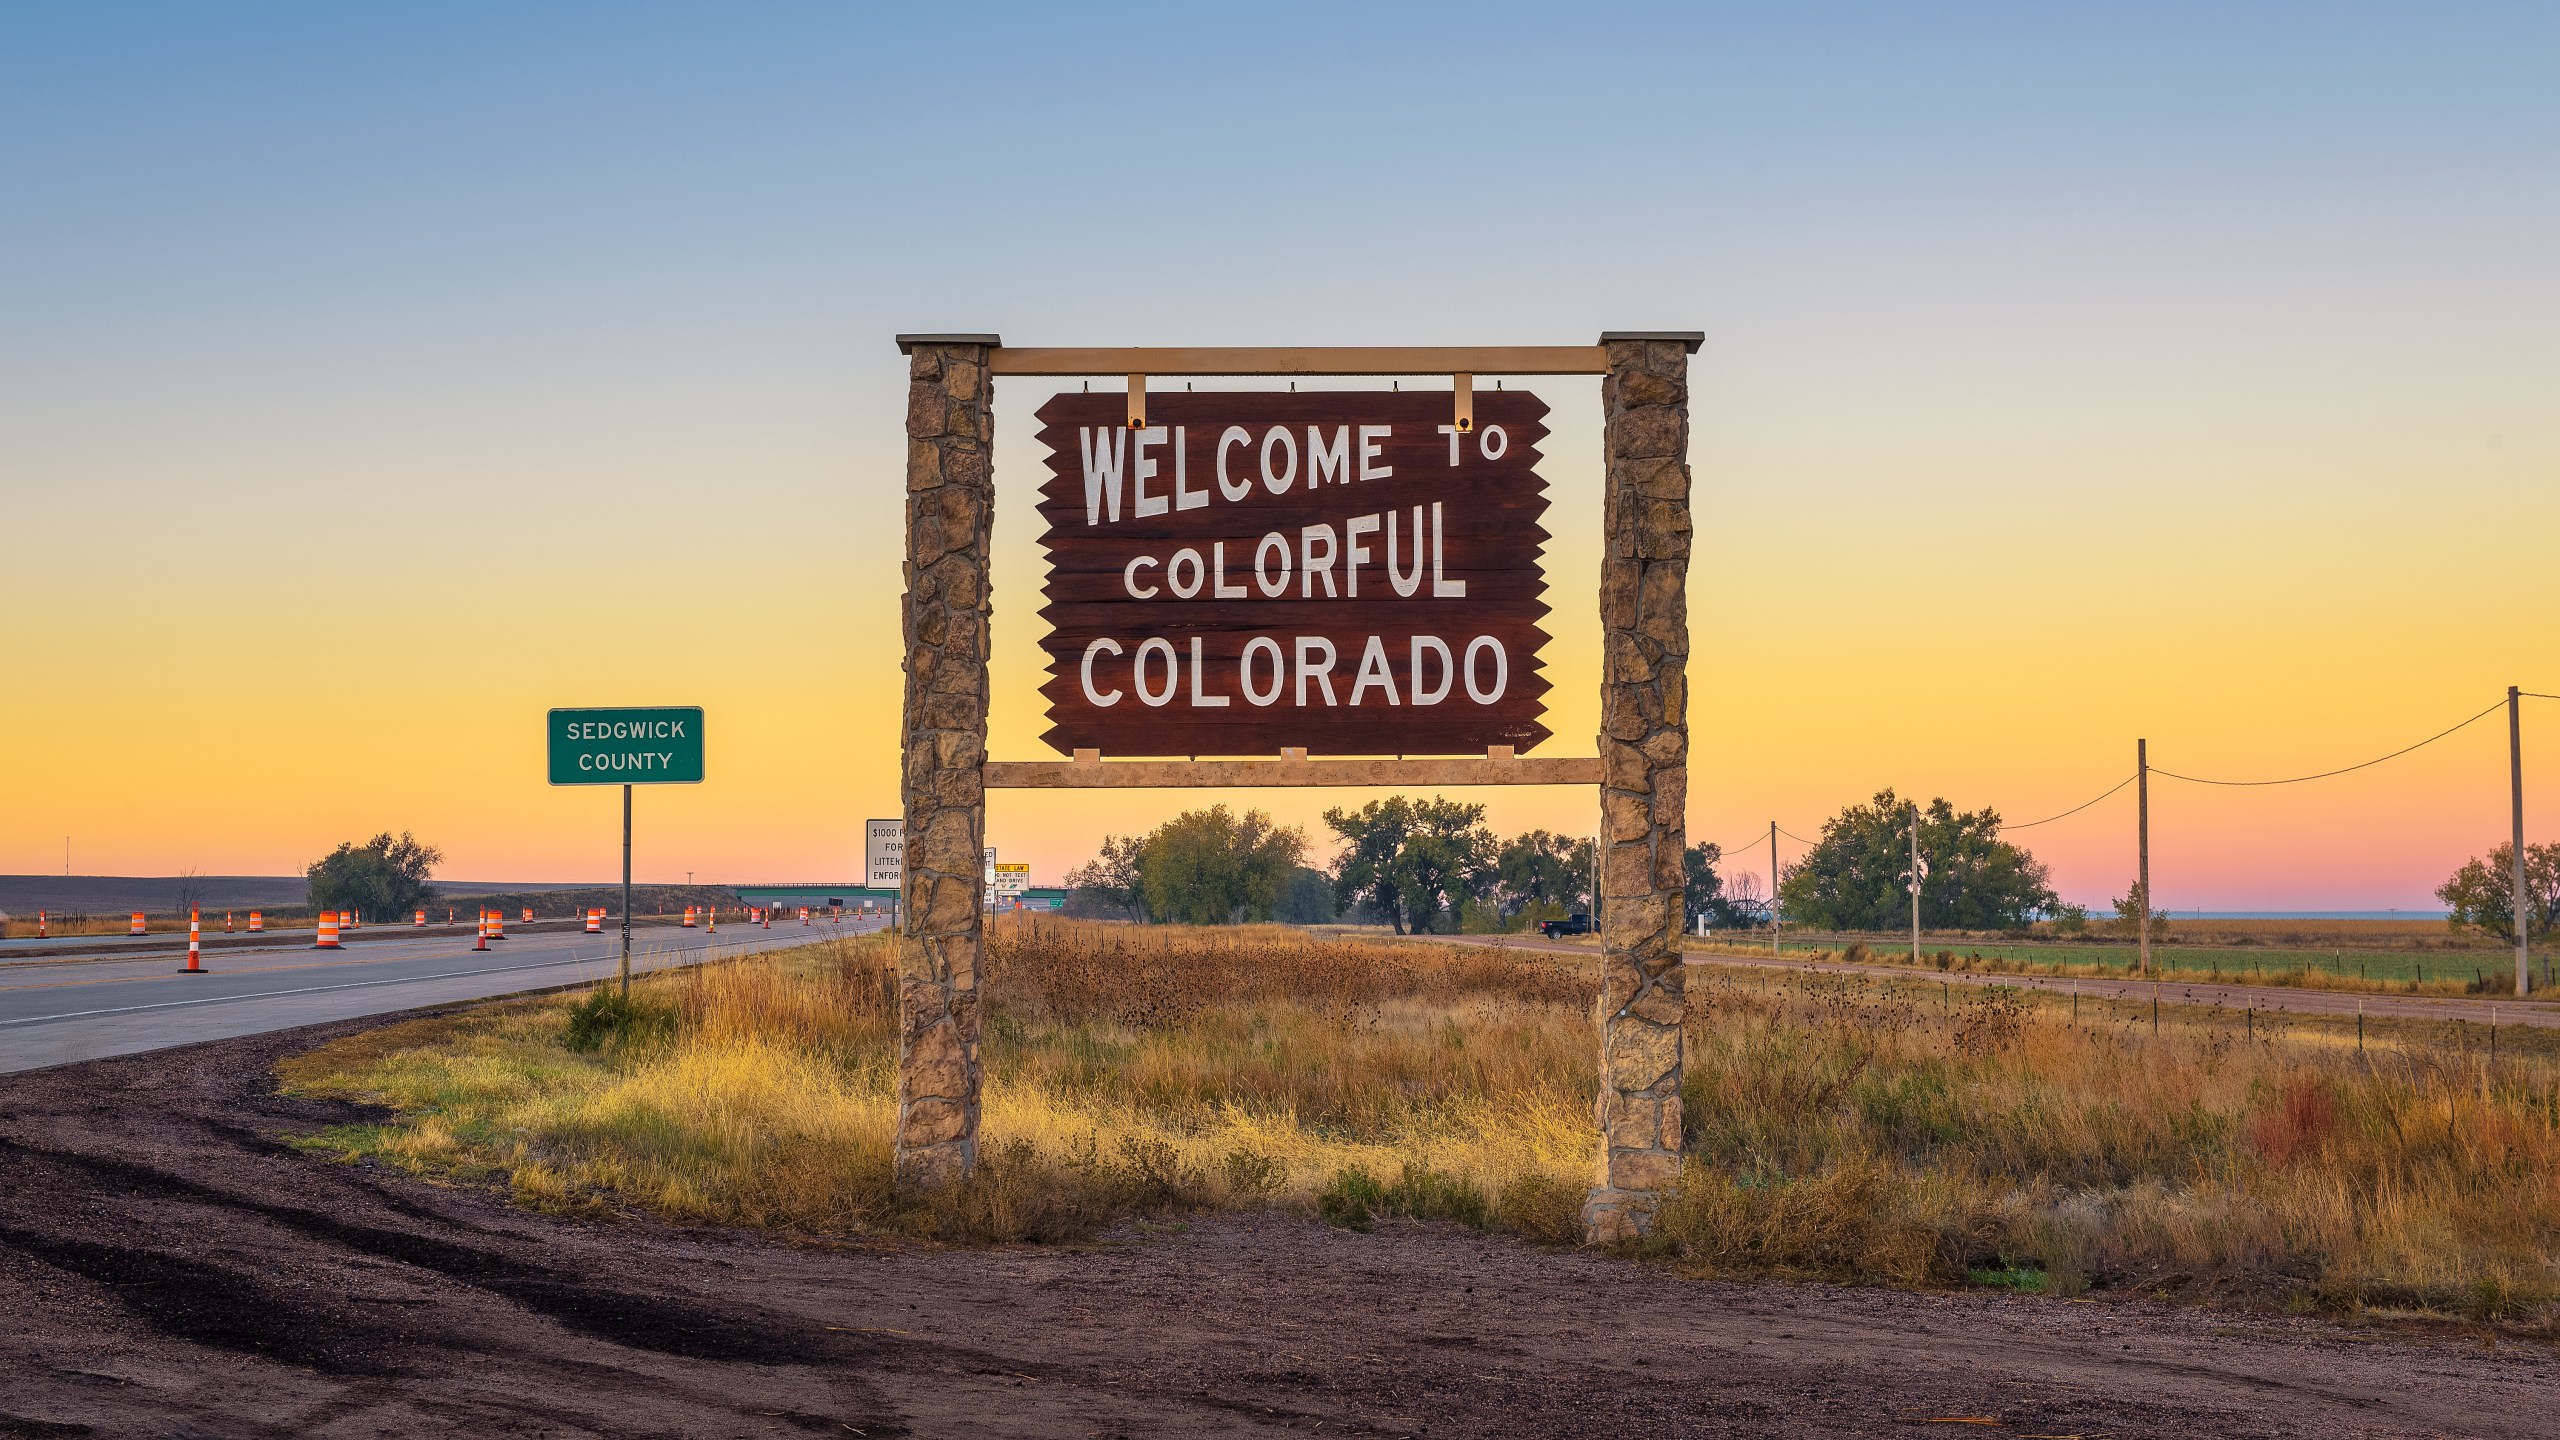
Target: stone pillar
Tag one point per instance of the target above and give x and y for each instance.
(1644, 787)
(950, 524)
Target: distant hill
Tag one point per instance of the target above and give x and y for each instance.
(159, 894)
(106, 894)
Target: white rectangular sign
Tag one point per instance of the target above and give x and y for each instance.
(1012, 880)
(884, 853)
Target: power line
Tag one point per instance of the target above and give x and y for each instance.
(2074, 810)
(2344, 769)
(1790, 834)
(2537, 695)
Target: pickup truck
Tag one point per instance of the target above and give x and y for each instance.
(1571, 925)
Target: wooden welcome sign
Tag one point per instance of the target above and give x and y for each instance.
(1347, 572)
(1263, 577)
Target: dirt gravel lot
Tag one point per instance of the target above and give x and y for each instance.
(169, 1267)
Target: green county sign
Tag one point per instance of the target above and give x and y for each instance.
(652, 745)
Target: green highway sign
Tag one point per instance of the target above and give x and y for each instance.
(630, 745)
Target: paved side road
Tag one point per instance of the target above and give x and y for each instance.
(82, 1009)
(2477, 1010)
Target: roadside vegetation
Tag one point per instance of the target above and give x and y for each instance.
(1875, 1130)
(2362, 972)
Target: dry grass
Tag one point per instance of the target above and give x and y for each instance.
(1857, 1129)
(2345, 971)
(1851, 1128)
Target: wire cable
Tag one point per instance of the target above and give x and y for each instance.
(2341, 770)
(2076, 809)
(1790, 834)
(2536, 695)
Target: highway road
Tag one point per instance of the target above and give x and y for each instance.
(62, 1009)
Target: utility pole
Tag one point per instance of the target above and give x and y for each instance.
(2515, 788)
(2142, 841)
(626, 892)
(1773, 887)
(1916, 874)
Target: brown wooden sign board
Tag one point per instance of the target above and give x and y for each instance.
(1343, 571)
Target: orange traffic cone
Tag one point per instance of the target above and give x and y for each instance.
(715, 920)
(483, 942)
(39, 924)
(195, 943)
(328, 931)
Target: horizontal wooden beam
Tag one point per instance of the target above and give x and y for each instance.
(1305, 360)
(1094, 774)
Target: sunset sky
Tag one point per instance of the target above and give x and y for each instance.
(374, 378)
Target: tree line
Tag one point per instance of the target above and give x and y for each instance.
(1431, 865)
(1419, 866)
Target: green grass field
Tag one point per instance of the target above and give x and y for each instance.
(2331, 968)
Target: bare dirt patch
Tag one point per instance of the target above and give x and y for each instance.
(168, 1265)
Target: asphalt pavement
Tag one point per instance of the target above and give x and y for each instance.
(112, 1001)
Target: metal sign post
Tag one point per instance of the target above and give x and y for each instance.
(650, 745)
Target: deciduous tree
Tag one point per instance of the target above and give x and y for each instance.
(1853, 879)
(382, 877)
(1412, 860)
(2482, 894)
(1213, 867)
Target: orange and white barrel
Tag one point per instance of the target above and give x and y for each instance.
(804, 914)
(328, 931)
(257, 921)
(421, 921)
(497, 924)
(688, 917)
(528, 914)
(137, 923)
(595, 922)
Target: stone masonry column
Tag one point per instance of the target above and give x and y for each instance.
(1644, 787)
(950, 524)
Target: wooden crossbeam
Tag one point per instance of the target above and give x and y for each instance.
(1304, 360)
(1090, 772)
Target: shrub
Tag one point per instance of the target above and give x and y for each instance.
(607, 1016)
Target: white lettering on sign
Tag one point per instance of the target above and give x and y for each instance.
(1102, 466)
(622, 730)
(1300, 590)
(1114, 459)
(641, 760)
(1432, 671)
(1318, 551)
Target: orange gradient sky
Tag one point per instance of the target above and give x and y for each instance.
(368, 390)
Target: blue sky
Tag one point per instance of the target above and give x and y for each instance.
(2156, 369)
